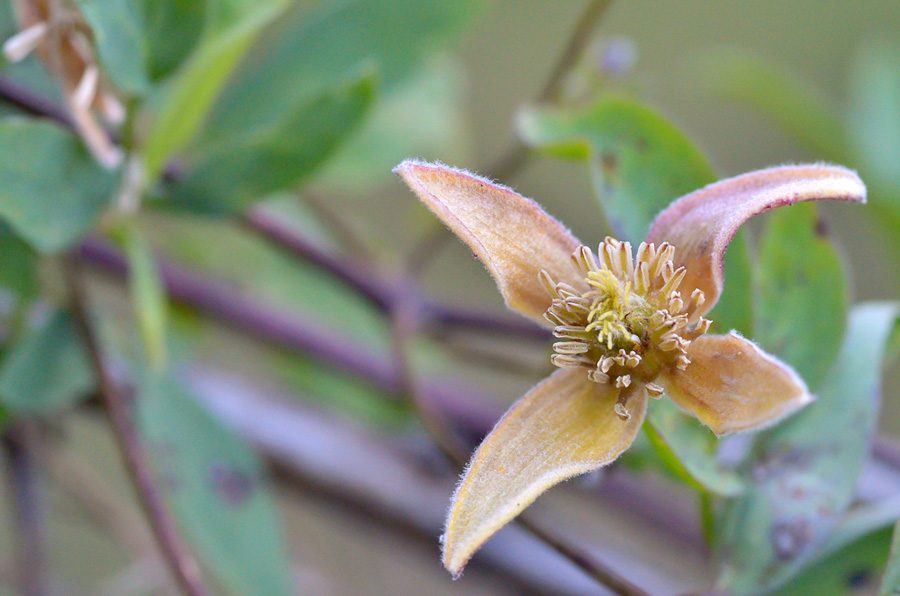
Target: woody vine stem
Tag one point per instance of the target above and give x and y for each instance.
(390, 298)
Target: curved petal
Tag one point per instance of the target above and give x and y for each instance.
(700, 225)
(511, 235)
(731, 384)
(563, 427)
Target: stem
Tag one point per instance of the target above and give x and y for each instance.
(27, 498)
(223, 303)
(99, 503)
(589, 564)
(379, 292)
(32, 103)
(578, 42)
(179, 558)
(516, 157)
(405, 322)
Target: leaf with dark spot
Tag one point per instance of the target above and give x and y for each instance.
(214, 484)
(805, 470)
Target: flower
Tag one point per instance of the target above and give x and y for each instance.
(629, 326)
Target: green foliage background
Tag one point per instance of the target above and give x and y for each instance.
(259, 100)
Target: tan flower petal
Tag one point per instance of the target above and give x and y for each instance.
(731, 384)
(563, 427)
(700, 225)
(511, 235)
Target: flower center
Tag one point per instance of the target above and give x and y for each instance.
(631, 323)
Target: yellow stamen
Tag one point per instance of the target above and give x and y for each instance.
(631, 322)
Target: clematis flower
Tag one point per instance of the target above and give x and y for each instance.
(630, 326)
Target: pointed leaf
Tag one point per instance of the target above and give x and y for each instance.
(860, 521)
(313, 49)
(148, 294)
(172, 29)
(734, 310)
(52, 191)
(640, 162)
(422, 115)
(229, 175)
(118, 31)
(701, 224)
(187, 100)
(852, 570)
(18, 264)
(805, 470)
(890, 583)
(564, 427)
(47, 370)
(512, 235)
(217, 489)
(798, 273)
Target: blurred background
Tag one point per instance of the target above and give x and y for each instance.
(358, 487)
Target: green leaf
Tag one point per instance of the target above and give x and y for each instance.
(640, 162)
(187, 101)
(890, 583)
(217, 489)
(861, 521)
(227, 176)
(787, 99)
(800, 303)
(422, 115)
(805, 470)
(312, 50)
(172, 29)
(118, 31)
(875, 115)
(47, 370)
(29, 72)
(734, 310)
(52, 191)
(689, 449)
(853, 570)
(148, 294)
(18, 263)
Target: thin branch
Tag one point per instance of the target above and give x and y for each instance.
(31, 103)
(27, 501)
(93, 495)
(586, 562)
(377, 292)
(405, 324)
(181, 561)
(578, 42)
(342, 232)
(225, 304)
(517, 156)
(383, 294)
(361, 281)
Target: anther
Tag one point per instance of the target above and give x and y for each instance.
(632, 360)
(621, 411)
(597, 377)
(570, 347)
(84, 93)
(623, 381)
(653, 390)
(548, 284)
(565, 361)
(697, 297)
(17, 47)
